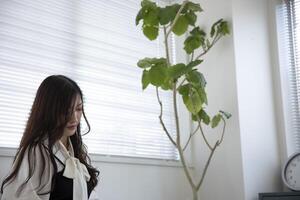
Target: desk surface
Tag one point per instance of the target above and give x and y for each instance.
(279, 196)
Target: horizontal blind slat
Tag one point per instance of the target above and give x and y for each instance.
(97, 44)
(290, 34)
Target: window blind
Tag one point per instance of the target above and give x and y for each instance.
(97, 44)
(289, 16)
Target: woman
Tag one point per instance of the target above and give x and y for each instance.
(51, 161)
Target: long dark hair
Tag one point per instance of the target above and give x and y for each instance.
(48, 117)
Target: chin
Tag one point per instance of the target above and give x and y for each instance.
(72, 133)
(69, 133)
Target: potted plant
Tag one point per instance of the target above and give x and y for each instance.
(182, 78)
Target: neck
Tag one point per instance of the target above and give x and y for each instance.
(64, 140)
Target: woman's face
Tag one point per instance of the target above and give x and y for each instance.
(76, 113)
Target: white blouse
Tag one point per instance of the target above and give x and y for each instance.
(74, 169)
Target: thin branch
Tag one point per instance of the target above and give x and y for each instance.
(192, 57)
(223, 131)
(182, 159)
(199, 123)
(206, 165)
(211, 154)
(191, 135)
(181, 82)
(161, 120)
(176, 113)
(208, 48)
(185, 168)
(176, 17)
(167, 46)
(203, 135)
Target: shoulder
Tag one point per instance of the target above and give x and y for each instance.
(32, 155)
(34, 173)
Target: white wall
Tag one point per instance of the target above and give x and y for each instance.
(126, 182)
(239, 75)
(121, 181)
(255, 97)
(224, 179)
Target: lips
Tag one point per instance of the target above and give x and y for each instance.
(72, 127)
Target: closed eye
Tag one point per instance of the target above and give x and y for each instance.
(79, 109)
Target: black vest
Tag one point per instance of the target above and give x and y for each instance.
(63, 186)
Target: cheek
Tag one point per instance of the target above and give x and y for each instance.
(79, 115)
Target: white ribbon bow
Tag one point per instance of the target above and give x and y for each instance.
(74, 169)
(77, 171)
(72, 166)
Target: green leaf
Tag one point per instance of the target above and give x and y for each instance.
(177, 70)
(202, 94)
(198, 32)
(176, 8)
(158, 74)
(167, 85)
(213, 27)
(184, 90)
(167, 14)
(194, 117)
(144, 63)
(159, 61)
(191, 17)
(181, 25)
(164, 16)
(139, 17)
(226, 114)
(224, 28)
(219, 27)
(149, 13)
(151, 17)
(191, 43)
(194, 7)
(147, 3)
(145, 79)
(151, 32)
(196, 78)
(195, 40)
(149, 62)
(194, 63)
(171, 11)
(193, 102)
(215, 121)
(204, 116)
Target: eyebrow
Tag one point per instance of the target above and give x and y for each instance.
(79, 104)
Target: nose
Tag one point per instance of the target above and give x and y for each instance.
(74, 117)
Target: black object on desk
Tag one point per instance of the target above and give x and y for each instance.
(279, 196)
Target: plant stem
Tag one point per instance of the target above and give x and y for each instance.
(176, 114)
(191, 135)
(223, 131)
(180, 151)
(195, 194)
(176, 17)
(202, 133)
(161, 120)
(208, 48)
(206, 165)
(192, 57)
(167, 46)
